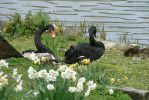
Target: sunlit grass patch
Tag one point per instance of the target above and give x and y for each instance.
(112, 65)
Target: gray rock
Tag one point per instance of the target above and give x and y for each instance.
(135, 94)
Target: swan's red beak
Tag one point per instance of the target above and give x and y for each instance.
(53, 33)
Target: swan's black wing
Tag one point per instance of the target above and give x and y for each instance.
(90, 52)
(93, 50)
(72, 55)
(85, 50)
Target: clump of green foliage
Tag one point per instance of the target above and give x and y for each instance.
(17, 26)
(123, 38)
(102, 33)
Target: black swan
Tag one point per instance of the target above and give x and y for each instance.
(93, 50)
(41, 48)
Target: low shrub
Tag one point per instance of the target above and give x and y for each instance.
(17, 26)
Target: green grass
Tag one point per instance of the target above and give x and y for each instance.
(112, 65)
(117, 66)
(19, 33)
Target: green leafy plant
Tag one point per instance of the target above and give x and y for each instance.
(93, 72)
(4, 92)
(18, 26)
(102, 33)
(123, 38)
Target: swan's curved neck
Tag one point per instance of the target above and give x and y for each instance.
(92, 37)
(38, 34)
(39, 45)
(93, 42)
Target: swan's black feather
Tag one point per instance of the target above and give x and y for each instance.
(93, 50)
(41, 48)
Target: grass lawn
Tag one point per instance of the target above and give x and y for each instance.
(124, 71)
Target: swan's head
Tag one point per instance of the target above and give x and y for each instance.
(93, 30)
(53, 29)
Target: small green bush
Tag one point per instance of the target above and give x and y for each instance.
(102, 33)
(17, 26)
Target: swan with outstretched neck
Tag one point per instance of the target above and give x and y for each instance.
(41, 48)
(92, 50)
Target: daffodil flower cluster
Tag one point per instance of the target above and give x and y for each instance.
(17, 77)
(69, 74)
(48, 76)
(112, 80)
(52, 75)
(34, 58)
(62, 68)
(3, 79)
(3, 63)
(32, 73)
(86, 61)
(91, 86)
(79, 87)
(66, 73)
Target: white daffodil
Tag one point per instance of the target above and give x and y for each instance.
(80, 85)
(72, 89)
(110, 91)
(3, 81)
(91, 85)
(50, 87)
(16, 76)
(15, 72)
(32, 74)
(52, 75)
(1, 73)
(3, 63)
(33, 56)
(69, 74)
(87, 93)
(19, 87)
(37, 61)
(62, 68)
(42, 73)
(35, 93)
(81, 80)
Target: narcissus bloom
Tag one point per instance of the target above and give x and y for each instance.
(3, 63)
(110, 91)
(3, 80)
(50, 87)
(86, 61)
(112, 80)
